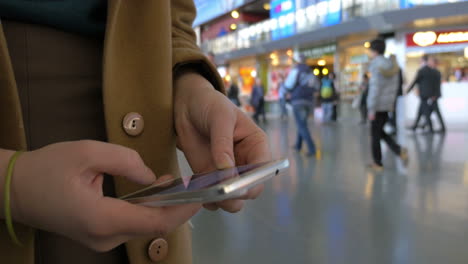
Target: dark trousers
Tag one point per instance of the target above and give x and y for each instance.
(377, 134)
(260, 110)
(284, 110)
(392, 119)
(434, 107)
(363, 109)
(301, 115)
(424, 109)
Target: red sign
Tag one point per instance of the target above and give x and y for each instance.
(434, 38)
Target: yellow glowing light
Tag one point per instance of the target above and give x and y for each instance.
(235, 14)
(266, 6)
(228, 78)
(275, 62)
(367, 44)
(424, 39)
(316, 72)
(466, 52)
(233, 26)
(289, 53)
(273, 56)
(322, 62)
(324, 71)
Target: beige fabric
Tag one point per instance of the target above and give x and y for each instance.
(145, 41)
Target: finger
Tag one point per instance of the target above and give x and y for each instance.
(135, 220)
(211, 206)
(231, 206)
(251, 142)
(119, 161)
(222, 124)
(164, 180)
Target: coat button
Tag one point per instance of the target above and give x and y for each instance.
(158, 249)
(133, 124)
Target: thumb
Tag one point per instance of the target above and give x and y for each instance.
(120, 161)
(222, 126)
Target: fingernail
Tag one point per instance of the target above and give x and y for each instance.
(226, 162)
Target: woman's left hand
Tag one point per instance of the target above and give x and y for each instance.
(214, 134)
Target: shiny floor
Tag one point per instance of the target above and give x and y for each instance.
(333, 210)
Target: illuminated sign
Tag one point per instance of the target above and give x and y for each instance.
(432, 38)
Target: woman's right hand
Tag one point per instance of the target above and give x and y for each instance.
(58, 188)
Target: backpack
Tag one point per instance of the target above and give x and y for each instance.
(326, 91)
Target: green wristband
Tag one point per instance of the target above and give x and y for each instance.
(8, 218)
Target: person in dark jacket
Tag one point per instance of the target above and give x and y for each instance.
(433, 101)
(363, 103)
(428, 81)
(302, 85)
(233, 94)
(257, 100)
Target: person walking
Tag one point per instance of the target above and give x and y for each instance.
(282, 94)
(380, 101)
(364, 91)
(428, 80)
(327, 97)
(434, 100)
(233, 93)
(302, 86)
(257, 100)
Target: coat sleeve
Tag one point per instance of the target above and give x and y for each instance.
(185, 52)
(374, 90)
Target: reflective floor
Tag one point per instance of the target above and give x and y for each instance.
(334, 211)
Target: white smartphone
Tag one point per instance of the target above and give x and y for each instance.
(208, 187)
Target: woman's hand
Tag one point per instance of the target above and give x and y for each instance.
(214, 134)
(59, 189)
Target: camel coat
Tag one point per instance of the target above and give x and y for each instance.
(146, 42)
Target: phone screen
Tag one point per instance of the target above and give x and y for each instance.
(198, 181)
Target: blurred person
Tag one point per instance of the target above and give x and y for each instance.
(328, 97)
(392, 120)
(84, 109)
(434, 100)
(380, 101)
(257, 100)
(428, 80)
(233, 93)
(302, 86)
(336, 102)
(282, 94)
(364, 91)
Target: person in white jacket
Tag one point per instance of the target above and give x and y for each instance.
(380, 101)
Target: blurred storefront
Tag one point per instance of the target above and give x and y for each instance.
(450, 48)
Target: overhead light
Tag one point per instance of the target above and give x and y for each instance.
(367, 44)
(289, 53)
(316, 71)
(266, 6)
(322, 62)
(325, 71)
(228, 78)
(275, 62)
(273, 56)
(233, 26)
(235, 14)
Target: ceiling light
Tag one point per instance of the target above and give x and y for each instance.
(266, 6)
(233, 26)
(367, 44)
(235, 14)
(316, 72)
(322, 62)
